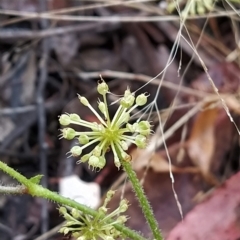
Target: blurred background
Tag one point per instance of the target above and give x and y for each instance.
(52, 50)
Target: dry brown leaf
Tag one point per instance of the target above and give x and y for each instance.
(158, 162)
(201, 143)
(142, 158)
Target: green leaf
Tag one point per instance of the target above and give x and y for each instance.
(36, 179)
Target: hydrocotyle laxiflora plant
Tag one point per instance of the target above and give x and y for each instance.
(112, 134)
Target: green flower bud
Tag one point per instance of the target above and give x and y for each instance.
(94, 162)
(130, 127)
(64, 230)
(64, 120)
(83, 139)
(127, 93)
(82, 238)
(97, 151)
(126, 157)
(200, 8)
(127, 101)
(144, 128)
(85, 157)
(70, 223)
(62, 210)
(124, 145)
(100, 128)
(123, 205)
(125, 118)
(102, 162)
(68, 133)
(141, 100)
(110, 194)
(141, 141)
(102, 210)
(122, 219)
(117, 162)
(109, 238)
(83, 100)
(75, 213)
(74, 117)
(76, 151)
(102, 88)
(102, 108)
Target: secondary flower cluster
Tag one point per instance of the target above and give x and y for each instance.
(109, 134)
(192, 7)
(85, 227)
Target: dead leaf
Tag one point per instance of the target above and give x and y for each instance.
(216, 218)
(201, 143)
(158, 161)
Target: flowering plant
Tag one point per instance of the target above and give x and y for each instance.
(113, 134)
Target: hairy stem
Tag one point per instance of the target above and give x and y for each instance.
(144, 204)
(37, 190)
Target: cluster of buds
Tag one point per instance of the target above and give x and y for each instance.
(86, 227)
(114, 134)
(192, 7)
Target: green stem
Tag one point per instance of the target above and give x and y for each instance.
(146, 208)
(37, 190)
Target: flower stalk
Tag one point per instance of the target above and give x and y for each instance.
(115, 134)
(31, 186)
(145, 206)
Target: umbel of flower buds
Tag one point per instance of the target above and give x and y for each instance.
(82, 226)
(114, 134)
